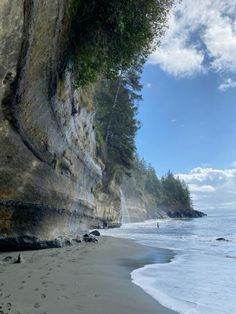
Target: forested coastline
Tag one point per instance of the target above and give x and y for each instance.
(151, 197)
(114, 43)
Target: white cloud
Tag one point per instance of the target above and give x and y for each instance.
(201, 188)
(178, 60)
(201, 37)
(212, 188)
(228, 83)
(220, 40)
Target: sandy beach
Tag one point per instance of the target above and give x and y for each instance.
(83, 278)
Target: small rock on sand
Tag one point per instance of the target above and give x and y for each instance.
(89, 238)
(222, 239)
(95, 233)
(19, 259)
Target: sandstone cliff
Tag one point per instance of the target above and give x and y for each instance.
(50, 177)
(53, 186)
(144, 196)
(138, 208)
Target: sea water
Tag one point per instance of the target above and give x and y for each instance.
(201, 278)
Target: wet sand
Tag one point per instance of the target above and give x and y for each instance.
(81, 279)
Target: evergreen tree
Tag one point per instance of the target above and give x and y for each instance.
(108, 35)
(167, 193)
(176, 192)
(116, 124)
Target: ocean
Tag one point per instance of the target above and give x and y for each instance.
(201, 277)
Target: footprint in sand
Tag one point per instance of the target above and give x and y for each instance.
(22, 285)
(9, 305)
(36, 305)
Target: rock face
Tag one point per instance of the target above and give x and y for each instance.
(49, 174)
(50, 177)
(138, 210)
(141, 207)
(184, 213)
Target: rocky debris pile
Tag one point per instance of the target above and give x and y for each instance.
(32, 243)
(89, 238)
(184, 213)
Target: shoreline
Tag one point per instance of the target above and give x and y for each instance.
(84, 278)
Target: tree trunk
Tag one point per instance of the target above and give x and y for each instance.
(112, 110)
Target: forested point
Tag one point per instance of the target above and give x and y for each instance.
(167, 192)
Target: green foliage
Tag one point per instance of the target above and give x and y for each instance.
(167, 192)
(116, 124)
(176, 192)
(108, 35)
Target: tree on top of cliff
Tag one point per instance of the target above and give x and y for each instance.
(108, 35)
(167, 192)
(176, 191)
(116, 123)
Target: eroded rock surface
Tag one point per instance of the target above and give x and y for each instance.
(140, 207)
(48, 167)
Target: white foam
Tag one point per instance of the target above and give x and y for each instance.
(201, 278)
(178, 287)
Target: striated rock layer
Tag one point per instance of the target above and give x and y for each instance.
(138, 206)
(49, 175)
(138, 210)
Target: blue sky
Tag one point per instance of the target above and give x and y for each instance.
(186, 122)
(189, 110)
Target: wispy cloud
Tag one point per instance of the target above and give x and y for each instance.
(212, 188)
(228, 83)
(201, 37)
(148, 85)
(201, 188)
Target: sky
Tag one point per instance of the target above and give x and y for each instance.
(188, 114)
